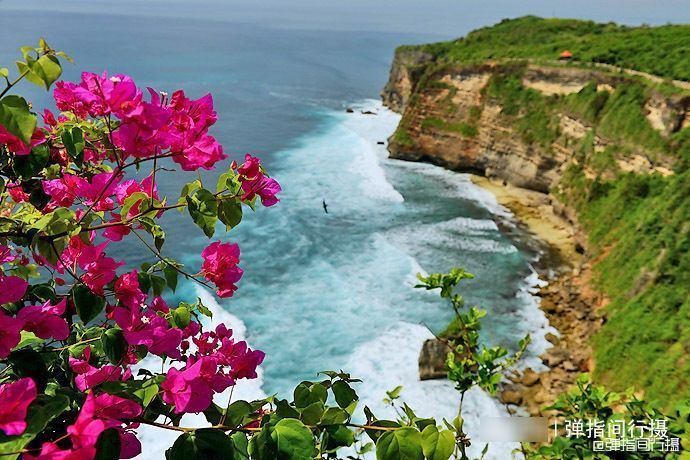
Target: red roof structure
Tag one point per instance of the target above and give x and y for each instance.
(565, 55)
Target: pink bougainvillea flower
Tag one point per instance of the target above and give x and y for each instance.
(128, 291)
(255, 183)
(10, 333)
(17, 146)
(62, 191)
(17, 193)
(204, 153)
(242, 360)
(130, 186)
(98, 191)
(99, 95)
(70, 97)
(49, 118)
(12, 288)
(188, 130)
(6, 255)
(51, 451)
(192, 389)
(150, 330)
(130, 446)
(220, 267)
(159, 305)
(263, 187)
(16, 398)
(251, 168)
(144, 137)
(45, 320)
(191, 118)
(98, 414)
(99, 269)
(89, 376)
(116, 232)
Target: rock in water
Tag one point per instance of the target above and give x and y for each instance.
(432, 360)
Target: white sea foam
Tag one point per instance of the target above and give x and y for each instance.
(391, 359)
(368, 153)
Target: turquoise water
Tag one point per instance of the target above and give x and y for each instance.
(320, 291)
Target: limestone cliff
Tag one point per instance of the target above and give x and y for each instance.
(451, 119)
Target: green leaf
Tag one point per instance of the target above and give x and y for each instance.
(262, 447)
(230, 213)
(108, 445)
(334, 416)
(339, 436)
(402, 444)
(47, 68)
(158, 285)
(73, 140)
(17, 118)
(237, 413)
(203, 208)
(293, 440)
(307, 393)
(344, 394)
(241, 444)
(181, 316)
(311, 414)
(43, 410)
(395, 392)
(437, 445)
(30, 165)
(155, 230)
(88, 304)
(202, 444)
(170, 277)
(4, 72)
(28, 339)
(147, 391)
(285, 410)
(24, 69)
(114, 345)
(135, 200)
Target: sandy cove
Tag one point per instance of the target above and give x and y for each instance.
(570, 305)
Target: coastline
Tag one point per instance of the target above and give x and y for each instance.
(535, 213)
(571, 306)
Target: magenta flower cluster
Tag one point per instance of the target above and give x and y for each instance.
(139, 126)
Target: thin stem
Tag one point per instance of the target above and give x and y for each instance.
(11, 84)
(164, 260)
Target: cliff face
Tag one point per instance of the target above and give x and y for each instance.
(451, 118)
(609, 149)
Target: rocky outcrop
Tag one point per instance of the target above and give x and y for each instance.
(577, 313)
(408, 66)
(432, 360)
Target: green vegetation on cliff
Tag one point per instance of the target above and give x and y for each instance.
(663, 51)
(638, 227)
(639, 231)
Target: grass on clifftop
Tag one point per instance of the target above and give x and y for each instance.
(640, 227)
(663, 51)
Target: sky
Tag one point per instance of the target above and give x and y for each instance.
(448, 18)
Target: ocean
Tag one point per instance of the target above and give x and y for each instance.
(321, 291)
